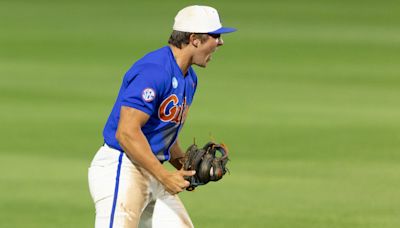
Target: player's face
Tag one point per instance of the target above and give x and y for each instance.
(206, 49)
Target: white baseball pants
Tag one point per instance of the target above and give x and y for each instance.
(127, 196)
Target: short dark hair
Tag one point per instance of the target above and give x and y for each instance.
(179, 39)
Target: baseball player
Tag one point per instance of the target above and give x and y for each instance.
(128, 183)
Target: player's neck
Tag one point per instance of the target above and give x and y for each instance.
(182, 58)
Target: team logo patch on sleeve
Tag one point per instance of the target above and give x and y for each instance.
(148, 94)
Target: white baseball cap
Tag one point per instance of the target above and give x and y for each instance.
(200, 19)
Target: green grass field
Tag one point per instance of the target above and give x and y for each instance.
(306, 94)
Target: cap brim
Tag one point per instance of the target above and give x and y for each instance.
(223, 30)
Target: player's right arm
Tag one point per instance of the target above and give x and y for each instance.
(135, 145)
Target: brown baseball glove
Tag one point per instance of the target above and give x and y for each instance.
(209, 165)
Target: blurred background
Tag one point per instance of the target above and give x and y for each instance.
(305, 94)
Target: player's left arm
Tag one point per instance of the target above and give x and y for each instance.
(177, 155)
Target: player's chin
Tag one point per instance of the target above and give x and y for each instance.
(206, 61)
(203, 63)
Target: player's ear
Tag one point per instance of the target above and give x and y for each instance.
(194, 40)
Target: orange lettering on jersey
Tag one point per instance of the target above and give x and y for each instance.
(175, 113)
(181, 109)
(162, 111)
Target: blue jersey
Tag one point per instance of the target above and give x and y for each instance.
(155, 85)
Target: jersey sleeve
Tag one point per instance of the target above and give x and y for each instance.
(144, 88)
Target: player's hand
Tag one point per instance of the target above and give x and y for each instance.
(174, 182)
